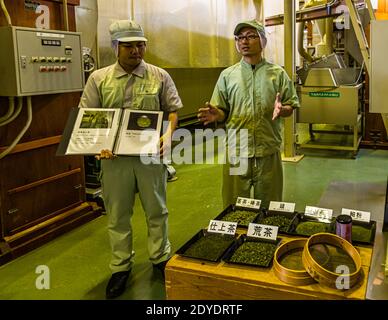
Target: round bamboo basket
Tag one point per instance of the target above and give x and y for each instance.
(322, 275)
(287, 275)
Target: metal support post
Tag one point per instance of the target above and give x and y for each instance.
(289, 66)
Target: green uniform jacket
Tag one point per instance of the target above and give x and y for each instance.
(247, 96)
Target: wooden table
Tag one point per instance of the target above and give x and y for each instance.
(193, 279)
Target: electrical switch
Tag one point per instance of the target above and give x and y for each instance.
(42, 68)
(68, 50)
(23, 62)
(42, 59)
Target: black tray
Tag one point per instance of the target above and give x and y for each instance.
(233, 207)
(241, 240)
(371, 226)
(294, 216)
(330, 226)
(201, 234)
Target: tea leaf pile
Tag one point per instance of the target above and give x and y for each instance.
(309, 228)
(242, 217)
(257, 253)
(360, 233)
(209, 247)
(282, 222)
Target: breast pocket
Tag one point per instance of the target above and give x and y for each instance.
(146, 97)
(111, 97)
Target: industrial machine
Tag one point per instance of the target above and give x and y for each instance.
(331, 93)
(341, 79)
(34, 61)
(330, 81)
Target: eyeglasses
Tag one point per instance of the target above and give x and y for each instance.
(249, 37)
(138, 44)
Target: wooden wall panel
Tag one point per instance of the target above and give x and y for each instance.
(34, 203)
(22, 13)
(36, 164)
(49, 115)
(41, 195)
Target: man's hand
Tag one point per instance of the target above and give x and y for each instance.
(277, 107)
(165, 144)
(209, 114)
(105, 154)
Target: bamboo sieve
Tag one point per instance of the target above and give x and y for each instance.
(287, 275)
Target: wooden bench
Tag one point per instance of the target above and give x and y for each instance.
(193, 279)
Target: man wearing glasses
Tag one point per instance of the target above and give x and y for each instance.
(133, 83)
(252, 95)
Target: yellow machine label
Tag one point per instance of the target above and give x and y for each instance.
(324, 94)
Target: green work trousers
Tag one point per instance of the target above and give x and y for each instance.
(121, 179)
(263, 174)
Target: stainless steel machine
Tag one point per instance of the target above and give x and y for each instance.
(330, 93)
(330, 82)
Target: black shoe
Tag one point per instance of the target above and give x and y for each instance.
(116, 284)
(161, 265)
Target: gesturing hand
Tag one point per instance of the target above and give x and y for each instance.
(209, 114)
(277, 107)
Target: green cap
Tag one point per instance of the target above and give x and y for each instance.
(252, 24)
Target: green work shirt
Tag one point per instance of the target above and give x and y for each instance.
(247, 95)
(148, 88)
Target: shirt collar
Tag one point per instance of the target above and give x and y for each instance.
(138, 71)
(249, 66)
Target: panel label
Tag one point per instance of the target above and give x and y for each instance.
(262, 231)
(319, 213)
(320, 94)
(226, 227)
(248, 203)
(363, 216)
(282, 206)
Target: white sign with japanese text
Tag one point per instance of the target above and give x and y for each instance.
(262, 231)
(226, 227)
(319, 213)
(248, 203)
(363, 216)
(282, 206)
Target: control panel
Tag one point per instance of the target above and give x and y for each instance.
(36, 61)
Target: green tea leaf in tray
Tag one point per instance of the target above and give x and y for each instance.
(281, 221)
(209, 247)
(242, 217)
(257, 253)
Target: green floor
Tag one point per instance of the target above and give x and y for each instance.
(78, 260)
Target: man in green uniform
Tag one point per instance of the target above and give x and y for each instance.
(133, 83)
(250, 97)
